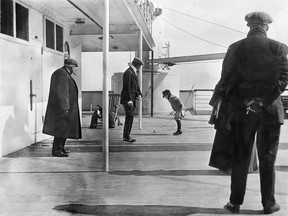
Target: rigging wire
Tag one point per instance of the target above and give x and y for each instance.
(193, 35)
(206, 21)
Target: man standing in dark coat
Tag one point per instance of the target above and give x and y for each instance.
(62, 119)
(254, 74)
(129, 94)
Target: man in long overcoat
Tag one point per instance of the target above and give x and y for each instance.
(254, 74)
(129, 94)
(62, 119)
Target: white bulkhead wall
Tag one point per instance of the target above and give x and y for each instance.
(17, 121)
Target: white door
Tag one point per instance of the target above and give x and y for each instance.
(36, 91)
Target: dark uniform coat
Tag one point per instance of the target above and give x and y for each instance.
(63, 96)
(130, 90)
(255, 67)
(259, 69)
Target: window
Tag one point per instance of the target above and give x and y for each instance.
(50, 34)
(59, 38)
(6, 17)
(22, 21)
(54, 33)
(66, 50)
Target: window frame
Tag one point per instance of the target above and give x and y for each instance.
(27, 29)
(14, 37)
(66, 50)
(55, 24)
(59, 45)
(53, 36)
(11, 20)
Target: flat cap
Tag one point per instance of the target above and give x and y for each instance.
(258, 18)
(137, 60)
(70, 61)
(166, 92)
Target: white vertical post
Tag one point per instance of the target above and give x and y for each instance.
(105, 96)
(140, 80)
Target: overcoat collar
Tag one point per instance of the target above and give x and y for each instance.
(133, 68)
(257, 31)
(67, 70)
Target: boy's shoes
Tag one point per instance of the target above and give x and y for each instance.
(177, 132)
(271, 209)
(232, 208)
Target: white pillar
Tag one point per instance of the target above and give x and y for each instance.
(140, 80)
(105, 96)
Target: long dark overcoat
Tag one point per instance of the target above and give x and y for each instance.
(63, 96)
(221, 153)
(255, 67)
(130, 90)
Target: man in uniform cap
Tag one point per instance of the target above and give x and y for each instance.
(129, 94)
(254, 74)
(62, 119)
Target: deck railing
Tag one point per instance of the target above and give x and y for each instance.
(197, 101)
(201, 101)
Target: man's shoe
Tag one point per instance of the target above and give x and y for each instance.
(65, 151)
(272, 209)
(177, 133)
(129, 140)
(232, 208)
(59, 154)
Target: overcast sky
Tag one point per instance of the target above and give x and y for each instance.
(190, 16)
(193, 27)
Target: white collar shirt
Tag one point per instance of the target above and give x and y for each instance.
(134, 69)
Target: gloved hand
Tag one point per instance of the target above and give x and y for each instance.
(130, 103)
(255, 106)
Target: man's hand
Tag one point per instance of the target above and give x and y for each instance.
(172, 113)
(65, 114)
(254, 106)
(130, 103)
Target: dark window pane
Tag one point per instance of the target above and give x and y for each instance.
(50, 41)
(59, 38)
(6, 17)
(22, 22)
